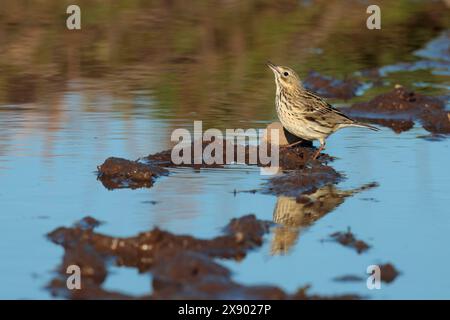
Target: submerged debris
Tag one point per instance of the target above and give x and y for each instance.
(182, 267)
(348, 239)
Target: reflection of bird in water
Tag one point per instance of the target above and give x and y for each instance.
(292, 214)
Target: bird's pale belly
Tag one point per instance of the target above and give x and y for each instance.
(299, 128)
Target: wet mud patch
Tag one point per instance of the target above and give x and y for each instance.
(388, 272)
(300, 158)
(400, 108)
(436, 122)
(397, 125)
(122, 173)
(182, 267)
(290, 158)
(304, 174)
(348, 239)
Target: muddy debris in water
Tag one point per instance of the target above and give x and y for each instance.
(122, 173)
(400, 108)
(182, 267)
(302, 173)
(348, 239)
(436, 122)
(397, 125)
(297, 157)
(388, 272)
(399, 101)
(305, 172)
(329, 87)
(290, 158)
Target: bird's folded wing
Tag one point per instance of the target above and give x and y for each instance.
(315, 106)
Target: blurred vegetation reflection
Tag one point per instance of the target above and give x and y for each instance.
(196, 59)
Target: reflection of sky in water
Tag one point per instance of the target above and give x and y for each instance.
(48, 180)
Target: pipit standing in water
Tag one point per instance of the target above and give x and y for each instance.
(305, 114)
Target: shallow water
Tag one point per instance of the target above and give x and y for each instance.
(54, 136)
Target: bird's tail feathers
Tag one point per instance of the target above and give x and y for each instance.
(365, 125)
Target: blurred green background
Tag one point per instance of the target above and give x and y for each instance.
(205, 57)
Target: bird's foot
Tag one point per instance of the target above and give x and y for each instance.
(316, 155)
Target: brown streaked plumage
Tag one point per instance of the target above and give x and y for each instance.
(304, 113)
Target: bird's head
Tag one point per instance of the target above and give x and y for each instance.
(285, 77)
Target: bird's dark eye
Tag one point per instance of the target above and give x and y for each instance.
(285, 74)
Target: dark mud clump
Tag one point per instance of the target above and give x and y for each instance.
(290, 158)
(182, 267)
(329, 87)
(436, 121)
(303, 173)
(388, 272)
(399, 101)
(400, 108)
(348, 239)
(296, 158)
(306, 173)
(397, 125)
(121, 173)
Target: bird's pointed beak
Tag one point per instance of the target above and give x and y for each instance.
(273, 67)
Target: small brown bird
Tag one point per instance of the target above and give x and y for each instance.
(305, 114)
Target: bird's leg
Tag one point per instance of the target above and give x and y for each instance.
(322, 146)
(293, 144)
